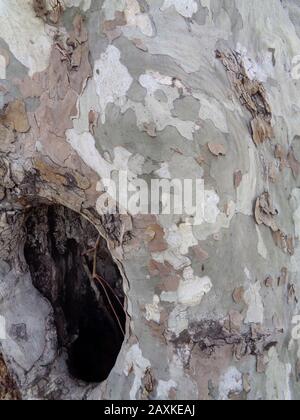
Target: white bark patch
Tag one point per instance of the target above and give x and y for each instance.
(278, 378)
(222, 221)
(137, 19)
(212, 110)
(153, 310)
(206, 3)
(25, 34)
(185, 7)
(2, 67)
(247, 274)
(181, 237)
(173, 257)
(86, 102)
(112, 80)
(158, 112)
(164, 388)
(211, 210)
(138, 364)
(84, 144)
(2, 328)
(296, 215)
(191, 289)
(231, 383)
(253, 299)
(246, 191)
(295, 261)
(261, 247)
(164, 171)
(178, 320)
(254, 70)
(134, 17)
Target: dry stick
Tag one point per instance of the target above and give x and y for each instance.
(100, 280)
(92, 250)
(95, 256)
(92, 280)
(110, 304)
(112, 290)
(89, 251)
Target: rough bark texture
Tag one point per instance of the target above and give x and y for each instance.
(165, 89)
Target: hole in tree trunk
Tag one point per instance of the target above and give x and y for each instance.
(88, 313)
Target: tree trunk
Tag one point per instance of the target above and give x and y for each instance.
(101, 298)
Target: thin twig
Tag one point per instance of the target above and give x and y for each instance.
(110, 304)
(89, 251)
(103, 284)
(92, 280)
(112, 290)
(95, 256)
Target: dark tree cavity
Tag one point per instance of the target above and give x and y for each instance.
(60, 254)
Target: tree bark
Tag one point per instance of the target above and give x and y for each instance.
(167, 90)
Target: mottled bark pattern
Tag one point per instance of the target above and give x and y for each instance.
(189, 89)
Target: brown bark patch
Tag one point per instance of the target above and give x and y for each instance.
(284, 242)
(237, 178)
(251, 94)
(156, 236)
(8, 388)
(216, 149)
(15, 117)
(265, 212)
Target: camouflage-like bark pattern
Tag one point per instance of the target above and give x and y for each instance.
(164, 89)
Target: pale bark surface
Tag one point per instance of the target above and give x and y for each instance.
(164, 89)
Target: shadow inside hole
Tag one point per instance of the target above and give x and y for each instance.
(56, 252)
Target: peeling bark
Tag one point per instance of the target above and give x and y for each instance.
(161, 308)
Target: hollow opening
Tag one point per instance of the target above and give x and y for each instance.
(83, 285)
